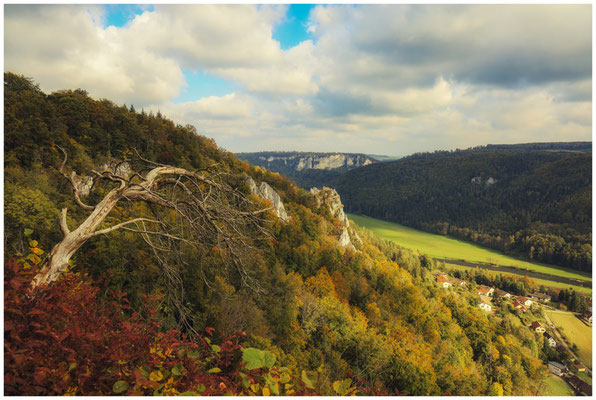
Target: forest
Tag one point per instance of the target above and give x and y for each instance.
(219, 297)
(533, 200)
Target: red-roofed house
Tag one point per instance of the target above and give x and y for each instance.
(485, 291)
(538, 327)
(443, 281)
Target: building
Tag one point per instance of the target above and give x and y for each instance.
(519, 306)
(502, 293)
(443, 281)
(485, 291)
(485, 304)
(587, 317)
(550, 340)
(544, 298)
(579, 367)
(538, 327)
(557, 368)
(580, 386)
(458, 282)
(525, 301)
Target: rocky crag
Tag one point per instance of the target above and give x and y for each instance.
(267, 192)
(329, 198)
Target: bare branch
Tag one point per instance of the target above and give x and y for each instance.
(122, 224)
(63, 223)
(73, 183)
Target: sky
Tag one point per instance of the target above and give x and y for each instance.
(376, 79)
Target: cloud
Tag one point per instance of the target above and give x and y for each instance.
(390, 79)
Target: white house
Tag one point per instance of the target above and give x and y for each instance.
(485, 304)
(557, 368)
(550, 340)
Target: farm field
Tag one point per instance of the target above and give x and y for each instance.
(555, 386)
(575, 331)
(438, 246)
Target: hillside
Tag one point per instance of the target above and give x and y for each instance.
(531, 200)
(308, 169)
(226, 294)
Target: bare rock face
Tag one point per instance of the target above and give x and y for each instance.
(332, 161)
(330, 198)
(267, 192)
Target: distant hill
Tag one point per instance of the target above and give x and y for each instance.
(533, 199)
(308, 169)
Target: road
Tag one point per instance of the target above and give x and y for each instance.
(560, 338)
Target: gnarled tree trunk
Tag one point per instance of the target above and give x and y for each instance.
(209, 207)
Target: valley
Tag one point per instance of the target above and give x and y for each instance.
(462, 254)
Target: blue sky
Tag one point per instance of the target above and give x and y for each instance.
(119, 15)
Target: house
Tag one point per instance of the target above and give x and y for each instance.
(525, 301)
(544, 298)
(519, 306)
(557, 368)
(458, 282)
(580, 386)
(485, 291)
(550, 340)
(579, 367)
(443, 281)
(502, 293)
(485, 304)
(587, 317)
(538, 327)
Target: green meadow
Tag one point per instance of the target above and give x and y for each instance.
(576, 332)
(438, 246)
(555, 386)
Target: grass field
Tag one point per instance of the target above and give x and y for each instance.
(557, 285)
(576, 332)
(449, 248)
(555, 386)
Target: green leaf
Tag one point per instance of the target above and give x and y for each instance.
(253, 358)
(189, 393)
(214, 371)
(177, 370)
(33, 243)
(201, 388)
(307, 381)
(120, 386)
(72, 366)
(341, 387)
(28, 232)
(145, 372)
(193, 354)
(181, 353)
(215, 348)
(284, 377)
(268, 359)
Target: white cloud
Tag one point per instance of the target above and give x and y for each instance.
(380, 79)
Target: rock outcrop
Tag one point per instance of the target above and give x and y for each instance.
(267, 192)
(330, 198)
(283, 162)
(489, 181)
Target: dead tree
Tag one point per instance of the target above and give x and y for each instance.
(208, 212)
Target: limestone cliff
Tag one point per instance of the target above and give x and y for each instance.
(267, 192)
(329, 198)
(283, 162)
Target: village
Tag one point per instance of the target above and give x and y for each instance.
(531, 309)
